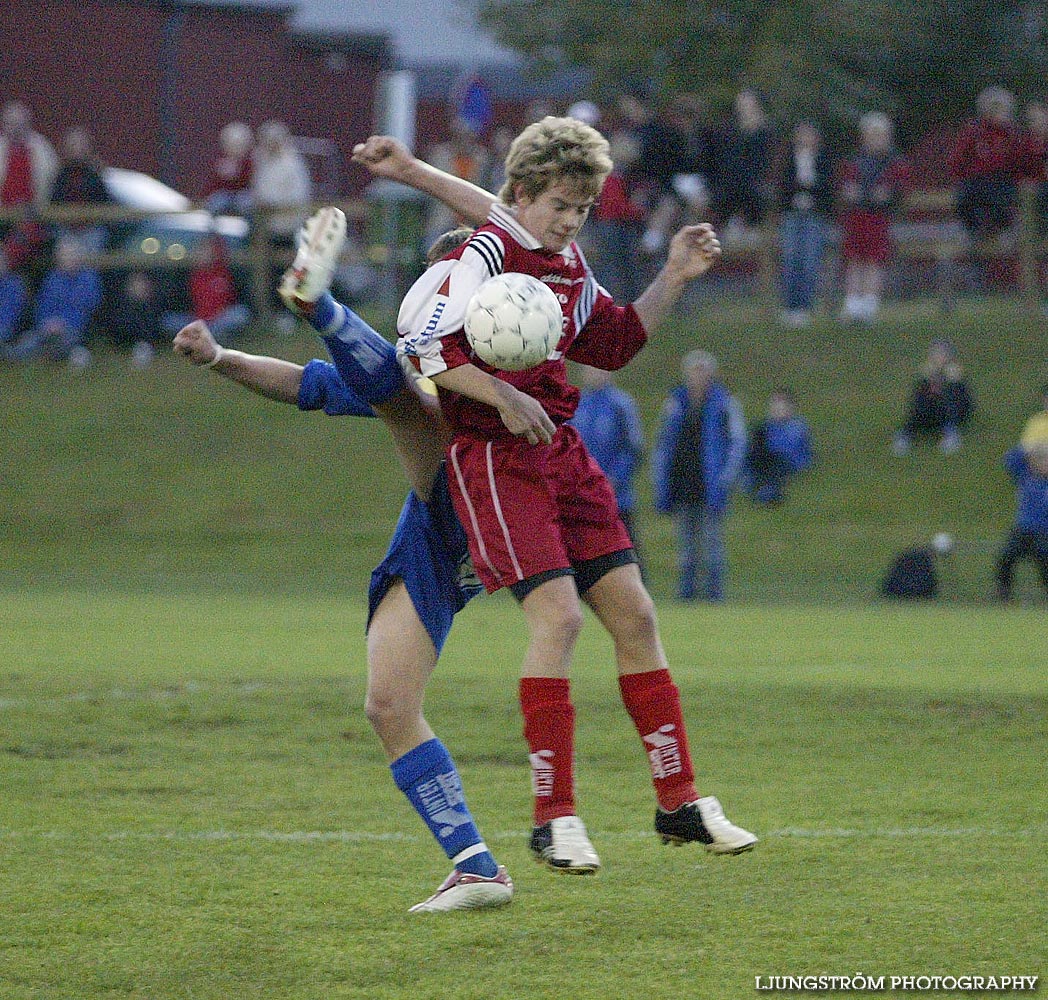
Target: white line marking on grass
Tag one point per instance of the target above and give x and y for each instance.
(366, 836)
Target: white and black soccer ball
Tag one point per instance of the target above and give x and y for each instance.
(513, 321)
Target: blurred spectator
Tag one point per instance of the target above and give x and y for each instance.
(212, 295)
(28, 162)
(586, 112)
(13, 298)
(674, 157)
(65, 306)
(280, 180)
(1035, 159)
(940, 404)
(1036, 429)
(873, 184)
(740, 163)
(608, 421)
(79, 182)
(133, 319)
(805, 198)
(501, 139)
(618, 222)
(1028, 538)
(463, 155)
(912, 575)
(780, 447)
(229, 188)
(698, 455)
(986, 162)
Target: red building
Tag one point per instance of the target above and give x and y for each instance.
(155, 80)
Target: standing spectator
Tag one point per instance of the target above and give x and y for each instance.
(780, 447)
(280, 180)
(618, 221)
(28, 162)
(13, 298)
(986, 163)
(740, 167)
(463, 155)
(873, 184)
(1036, 429)
(608, 421)
(213, 294)
(1035, 159)
(79, 182)
(229, 187)
(940, 404)
(699, 451)
(805, 198)
(65, 306)
(1028, 538)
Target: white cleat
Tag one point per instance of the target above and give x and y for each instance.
(319, 249)
(562, 845)
(703, 821)
(462, 891)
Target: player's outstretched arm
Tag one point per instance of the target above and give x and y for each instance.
(692, 252)
(522, 414)
(273, 378)
(387, 157)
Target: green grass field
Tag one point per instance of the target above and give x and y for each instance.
(193, 804)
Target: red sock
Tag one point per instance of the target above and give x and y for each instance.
(653, 702)
(549, 728)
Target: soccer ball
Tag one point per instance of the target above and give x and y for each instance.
(513, 321)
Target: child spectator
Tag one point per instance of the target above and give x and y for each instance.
(134, 319)
(229, 186)
(65, 306)
(213, 294)
(912, 576)
(780, 447)
(13, 298)
(940, 404)
(1028, 538)
(872, 185)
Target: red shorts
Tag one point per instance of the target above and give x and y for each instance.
(529, 509)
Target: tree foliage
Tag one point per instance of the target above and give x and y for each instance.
(921, 60)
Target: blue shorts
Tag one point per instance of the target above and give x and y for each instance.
(429, 552)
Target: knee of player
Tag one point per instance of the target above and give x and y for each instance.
(635, 623)
(385, 708)
(560, 625)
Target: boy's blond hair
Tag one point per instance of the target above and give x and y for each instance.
(554, 150)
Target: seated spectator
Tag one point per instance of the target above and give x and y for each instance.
(79, 182)
(133, 320)
(912, 575)
(1028, 538)
(873, 184)
(740, 166)
(780, 447)
(1036, 429)
(213, 295)
(986, 162)
(228, 188)
(65, 306)
(13, 297)
(940, 405)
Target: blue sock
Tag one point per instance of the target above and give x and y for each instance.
(427, 776)
(365, 360)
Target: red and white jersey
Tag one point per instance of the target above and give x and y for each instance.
(430, 325)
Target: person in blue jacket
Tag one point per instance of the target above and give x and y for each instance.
(1028, 538)
(13, 298)
(699, 451)
(609, 423)
(780, 447)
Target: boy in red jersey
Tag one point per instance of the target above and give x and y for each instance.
(541, 517)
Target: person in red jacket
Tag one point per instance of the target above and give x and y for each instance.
(212, 294)
(987, 162)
